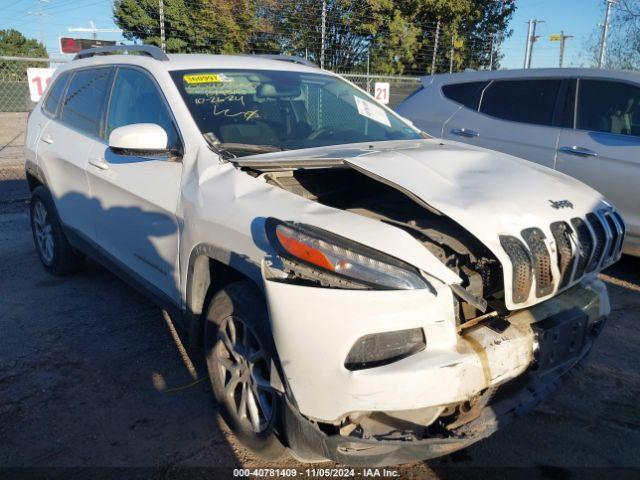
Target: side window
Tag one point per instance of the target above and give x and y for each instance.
(55, 94)
(606, 106)
(526, 101)
(468, 94)
(136, 99)
(85, 98)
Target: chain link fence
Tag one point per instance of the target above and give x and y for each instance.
(399, 86)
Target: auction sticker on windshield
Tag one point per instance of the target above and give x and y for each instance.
(372, 111)
(199, 78)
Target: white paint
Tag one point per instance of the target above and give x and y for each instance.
(139, 136)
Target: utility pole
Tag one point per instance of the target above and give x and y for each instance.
(324, 32)
(605, 31)
(39, 13)
(435, 48)
(163, 42)
(451, 52)
(562, 38)
(527, 49)
(532, 38)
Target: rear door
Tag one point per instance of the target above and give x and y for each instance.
(604, 149)
(138, 194)
(513, 116)
(66, 142)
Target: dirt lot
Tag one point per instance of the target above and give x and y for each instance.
(90, 377)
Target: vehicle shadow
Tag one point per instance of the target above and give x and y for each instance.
(90, 374)
(627, 269)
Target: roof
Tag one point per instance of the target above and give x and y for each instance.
(531, 73)
(196, 61)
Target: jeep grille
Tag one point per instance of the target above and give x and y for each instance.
(580, 247)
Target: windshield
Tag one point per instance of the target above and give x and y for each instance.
(253, 111)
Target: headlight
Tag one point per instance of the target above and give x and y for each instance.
(340, 257)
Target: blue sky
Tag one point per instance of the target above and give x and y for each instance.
(575, 17)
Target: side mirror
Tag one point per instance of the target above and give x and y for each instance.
(139, 139)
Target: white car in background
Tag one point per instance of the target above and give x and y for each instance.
(362, 293)
(582, 122)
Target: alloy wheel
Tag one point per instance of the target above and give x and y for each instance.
(243, 369)
(43, 232)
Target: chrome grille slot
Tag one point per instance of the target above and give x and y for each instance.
(562, 234)
(585, 240)
(613, 227)
(521, 264)
(620, 230)
(623, 226)
(534, 237)
(600, 243)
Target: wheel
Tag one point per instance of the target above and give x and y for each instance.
(57, 256)
(239, 349)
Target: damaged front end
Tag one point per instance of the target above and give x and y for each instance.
(419, 365)
(382, 438)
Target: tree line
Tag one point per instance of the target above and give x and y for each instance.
(391, 37)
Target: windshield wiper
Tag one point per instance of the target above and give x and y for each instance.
(224, 149)
(249, 147)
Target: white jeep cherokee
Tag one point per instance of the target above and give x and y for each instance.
(363, 293)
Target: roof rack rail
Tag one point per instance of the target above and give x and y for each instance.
(290, 58)
(151, 50)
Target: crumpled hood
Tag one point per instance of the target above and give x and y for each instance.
(487, 192)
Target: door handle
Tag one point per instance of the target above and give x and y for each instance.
(578, 151)
(465, 132)
(99, 163)
(47, 138)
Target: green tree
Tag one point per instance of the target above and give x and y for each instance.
(217, 26)
(395, 36)
(389, 36)
(15, 44)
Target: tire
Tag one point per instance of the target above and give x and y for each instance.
(239, 351)
(56, 255)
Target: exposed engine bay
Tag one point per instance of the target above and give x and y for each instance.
(350, 190)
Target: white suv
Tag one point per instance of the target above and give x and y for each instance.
(363, 293)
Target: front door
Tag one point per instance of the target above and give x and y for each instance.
(603, 150)
(515, 117)
(139, 195)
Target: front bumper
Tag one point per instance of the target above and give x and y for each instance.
(512, 400)
(314, 329)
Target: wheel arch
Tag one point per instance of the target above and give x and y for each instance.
(35, 176)
(210, 269)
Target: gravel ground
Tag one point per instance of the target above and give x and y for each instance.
(91, 377)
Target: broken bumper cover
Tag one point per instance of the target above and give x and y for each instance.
(315, 328)
(480, 359)
(512, 400)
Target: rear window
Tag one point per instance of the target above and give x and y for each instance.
(468, 94)
(526, 101)
(85, 98)
(55, 94)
